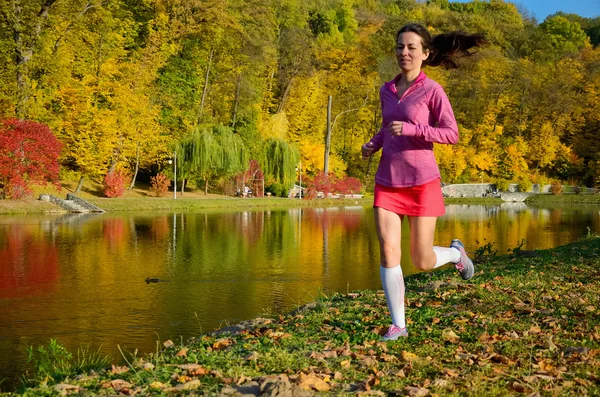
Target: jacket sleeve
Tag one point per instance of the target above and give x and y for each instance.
(446, 130)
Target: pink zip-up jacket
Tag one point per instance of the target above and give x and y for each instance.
(427, 117)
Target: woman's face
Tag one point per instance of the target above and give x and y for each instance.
(409, 51)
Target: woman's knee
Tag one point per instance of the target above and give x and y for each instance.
(390, 255)
(423, 261)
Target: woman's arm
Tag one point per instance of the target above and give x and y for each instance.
(446, 130)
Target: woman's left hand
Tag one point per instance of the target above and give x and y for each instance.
(395, 128)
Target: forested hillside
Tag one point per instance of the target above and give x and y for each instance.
(122, 83)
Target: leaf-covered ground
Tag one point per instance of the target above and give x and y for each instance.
(526, 324)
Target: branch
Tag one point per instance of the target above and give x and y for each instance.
(348, 111)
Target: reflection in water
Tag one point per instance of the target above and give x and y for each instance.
(80, 279)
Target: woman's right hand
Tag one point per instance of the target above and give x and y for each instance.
(367, 150)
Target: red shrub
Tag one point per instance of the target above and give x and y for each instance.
(114, 184)
(159, 184)
(347, 185)
(28, 154)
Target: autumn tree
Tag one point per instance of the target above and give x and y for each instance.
(28, 154)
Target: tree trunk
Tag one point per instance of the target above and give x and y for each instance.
(182, 185)
(285, 93)
(205, 86)
(328, 137)
(236, 101)
(79, 185)
(137, 166)
(206, 187)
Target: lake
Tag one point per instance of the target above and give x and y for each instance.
(81, 278)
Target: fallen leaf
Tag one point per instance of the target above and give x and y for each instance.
(368, 362)
(182, 352)
(345, 364)
(221, 343)
(63, 388)
(312, 382)
(119, 384)
(168, 344)
(450, 336)
(119, 369)
(416, 391)
(148, 366)
(252, 356)
(535, 329)
(450, 372)
(191, 385)
(157, 385)
(408, 356)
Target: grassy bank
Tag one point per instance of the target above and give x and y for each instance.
(526, 324)
(565, 200)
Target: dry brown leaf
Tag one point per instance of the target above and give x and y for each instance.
(535, 329)
(182, 352)
(450, 336)
(329, 353)
(345, 364)
(116, 370)
(168, 344)
(312, 382)
(435, 320)
(416, 391)
(252, 356)
(368, 362)
(148, 367)
(591, 308)
(400, 374)
(63, 388)
(119, 384)
(221, 343)
(388, 357)
(450, 372)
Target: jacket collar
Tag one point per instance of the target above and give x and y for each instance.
(392, 84)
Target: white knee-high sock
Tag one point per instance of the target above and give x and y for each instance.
(392, 281)
(445, 255)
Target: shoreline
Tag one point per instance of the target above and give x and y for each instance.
(505, 332)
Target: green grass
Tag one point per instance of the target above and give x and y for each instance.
(565, 199)
(522, 326)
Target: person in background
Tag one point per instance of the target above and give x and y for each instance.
(416, 114)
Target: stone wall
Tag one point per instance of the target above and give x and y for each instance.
(482, 189)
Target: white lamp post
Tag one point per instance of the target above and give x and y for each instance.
(299, 169)
(174, 162)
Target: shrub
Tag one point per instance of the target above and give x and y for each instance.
(114, 184)
(525, 185)
(277, 189)
(576, 189)
(159, 184)
(320, 183)
(28, 154)
(502, 185)
(347, 185)
(556, 187)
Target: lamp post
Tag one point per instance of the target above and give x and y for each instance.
(175, 175)
(174, 161)
(299, 169)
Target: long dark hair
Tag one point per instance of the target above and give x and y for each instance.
(445, 48)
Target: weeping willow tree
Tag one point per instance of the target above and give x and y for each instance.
(211, 153)
(280, 160)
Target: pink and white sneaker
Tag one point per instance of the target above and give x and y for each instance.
(394, 332)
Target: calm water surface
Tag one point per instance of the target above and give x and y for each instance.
(80, 278)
